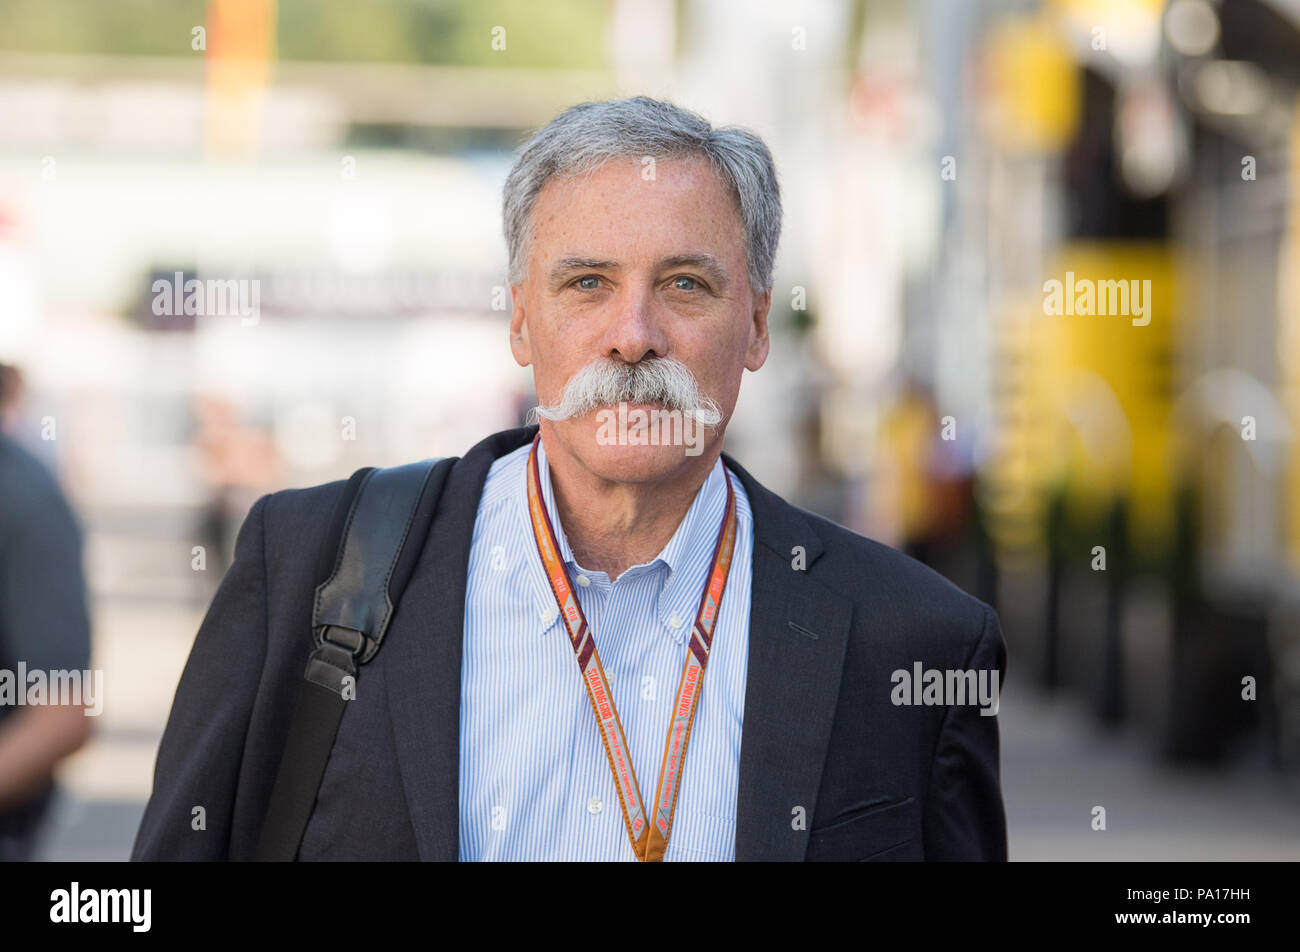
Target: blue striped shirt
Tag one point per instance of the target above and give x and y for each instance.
(534, 780)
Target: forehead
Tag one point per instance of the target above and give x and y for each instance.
(629, 205)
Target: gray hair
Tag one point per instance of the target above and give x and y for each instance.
(585, 136)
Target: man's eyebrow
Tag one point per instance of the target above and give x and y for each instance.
(705, 262)
(578, 263)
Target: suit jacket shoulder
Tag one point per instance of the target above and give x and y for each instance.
(894, 773)
(910, 621)
(228, 722)
(938, 618)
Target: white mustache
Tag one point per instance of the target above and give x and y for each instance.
(604, 381)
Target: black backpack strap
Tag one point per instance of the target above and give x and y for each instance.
(375, 538)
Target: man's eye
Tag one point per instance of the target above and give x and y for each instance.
(582, 282)
(691, 285)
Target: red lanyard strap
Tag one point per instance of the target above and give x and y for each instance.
(649, 840)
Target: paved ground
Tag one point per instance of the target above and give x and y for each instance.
(1057, 766)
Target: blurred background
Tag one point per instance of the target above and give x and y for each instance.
(1126, 494)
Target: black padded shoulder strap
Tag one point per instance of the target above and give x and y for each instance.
(378, 530)
(373, 562)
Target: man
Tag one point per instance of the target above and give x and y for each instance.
(542, 689)
(44, 629)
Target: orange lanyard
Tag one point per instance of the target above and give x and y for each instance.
(649, 840)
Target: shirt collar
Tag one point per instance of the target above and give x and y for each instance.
(687, 568)
(548, 497)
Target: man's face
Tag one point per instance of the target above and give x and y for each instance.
(627, 268)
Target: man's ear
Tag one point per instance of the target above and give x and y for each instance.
(519, 343)
(756, 352)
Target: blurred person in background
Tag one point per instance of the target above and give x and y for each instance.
(929, 491)
(239, 462)
(44, 626)
(11, 392)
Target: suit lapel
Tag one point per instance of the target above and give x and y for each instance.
(798, 631)
(423, 652)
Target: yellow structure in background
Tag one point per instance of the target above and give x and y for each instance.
(908, 429)
(240, 44)
(1033, 95)
(1087, 400)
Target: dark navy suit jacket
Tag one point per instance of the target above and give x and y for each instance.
(830, 767)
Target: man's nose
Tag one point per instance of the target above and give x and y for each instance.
(635, 331)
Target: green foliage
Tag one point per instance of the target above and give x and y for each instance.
(539, 33)
(129, 27)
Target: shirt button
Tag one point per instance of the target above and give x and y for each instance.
(675, 621)
(584, 581)
(594, 805)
